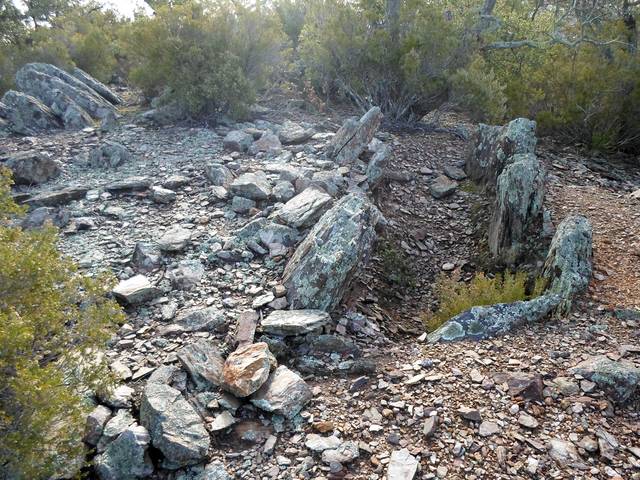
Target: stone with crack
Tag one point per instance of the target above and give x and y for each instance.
(294, 322)
(284, 393)
(247, 369)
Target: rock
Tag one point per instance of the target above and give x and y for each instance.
(402, 465)
(58, 197)
(305, 209)
(284, 393)
(26, 115)
(219, 175)
(135, 290)
(488, 428)
(294, 322)
(242, 205)
(186, 275)
(430, 425)
(442, 187)
(65, 108)
(109, 122)
(283, 191)
(564, 453)
(347, 452)
(96, 421)
(485, 322)
(255, 186)
(120, 397)
(376, 166)
(320, 270)
(246, 328)
(31, 168)
(162, 195)
(146, 257)
(109, 155)
(175, 239)
(521, 384)
(96, 86)
(618, 379)
(293, 133)
(527, 421)
(129, 184)
(454, 173)
(36, 218)
(471, 414)
(318, 443)
(204, 363)
(175, 182)
(493, 147)
(222, 422)
(247, 369)
(268, 142)
(114, 427)
(175, 427)
(353, 137)
(126, 458)
(237, 141)
(518, 208)
(568, 265)
(201, 320)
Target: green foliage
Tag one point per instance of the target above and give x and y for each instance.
(395, 265)
(455, 297)
(53, 322)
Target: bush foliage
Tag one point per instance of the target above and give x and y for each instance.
(455, 297)
(53, 322)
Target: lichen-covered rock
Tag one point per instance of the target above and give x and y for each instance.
(377, 164)
(200, 320)
(304, 209)
(321, 268)
(71, 114)
(266, 232)
(479, 323)
(203, 362)
(284, 393)
(97, 86)
(294, 322)
(109, 155)
(620, 379)
(247, 369)
(492, 147)
(26, 115)
(518, 207)
(353, 137)
(175, 427)
(126, 458)
(219, 175)
(186, 274)
(31, 168)
(568, 265)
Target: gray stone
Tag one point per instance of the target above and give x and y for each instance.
(174, 182)
(305, 209)
(129, 184)
(283, 191)
(31, 168)
(96, 421)
(564, 453)
(347, 452)
(318, 443)
(488, 428)
(201, 320)
(126, 458)
(268, 142)
(284, 393)
(247, 369)
(175, 239)
(27, 115)
(237, 141)
(402, 465)
(454, 173)
(294, 322)
(492, 148)
(96, 86)
(320, 270)
(36, 218)
(162, 195)
(71, 114)
(266, 232)
(518, 208)
(568, 265)
(255, 186)
(442, 187)
(204, 363)
(175, 427)
(135, 290)
(377, 164)
(293, 133)
(218, 175)
(618, 379)
(186, 274)
(242, 205)
(114, 427)
(58, 197)
(222, 421)
(353, 137)
(146, 257)
(109, 155)
(479, 323)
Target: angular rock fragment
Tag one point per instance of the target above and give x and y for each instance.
(31, 168)
(255, 186)
(246, 328)
(175, 239)
(247, 368)
(620, 379)
(347, 452)
(353, 137)
(201, 320)
(135, 290)
(55, 198)
(109, 155)
(376, 166)
(126, 458)
(204, 363)
(402, 465)
(442, 187)
(186, 275)
(305, 209)
(237, 141)
(294, 322)
(268, 142)
(146, 257)
(219, 175)
(284, 393)
(318, 443)
(293, 133)
(26, 115)
(129, 184)
(96, 421)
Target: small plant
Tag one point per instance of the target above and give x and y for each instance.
(395, 265)
(456, 297)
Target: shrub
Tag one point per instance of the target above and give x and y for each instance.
(455, 297)
(52, 323)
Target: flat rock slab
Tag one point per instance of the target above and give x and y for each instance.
(135, 290)
(284, 393)
(58, 197)
(306, 208)
(129, 184)
(294, 322)
(402, 465)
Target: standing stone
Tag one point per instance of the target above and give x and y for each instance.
(304, 209)
(246, 369)
(26, 115)
(126, 458)
(175, 427)
(518, 208)
(353, 137)
(492, 148)
(284, 393)
(204, 363)
(322, 266)
(31, 168)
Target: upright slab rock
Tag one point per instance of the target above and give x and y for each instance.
(353, 137)
(321, 268)
(175, 427)
(97, 86)
(568, 265)
(518, 207)
(492, 148)
(26, 115)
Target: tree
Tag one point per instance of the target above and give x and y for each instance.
(11, 25)
(40, 11)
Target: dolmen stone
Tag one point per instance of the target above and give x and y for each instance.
(247, 369)
(353, 137)
(294, 322)
(284, 393)
(318, 273)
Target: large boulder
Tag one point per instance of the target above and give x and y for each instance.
(518, 208)
(304, 209)
(71, 114)
(619, 379)
(353, 137)
(479, 323)
(568, 265)
(492, 148)
(96, 86)
(126, 458)
(175, 427)
(31, 168)
(322, 266)
(284, 393)
(27, 115)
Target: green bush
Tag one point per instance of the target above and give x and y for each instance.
(53, 322)
(455, 297)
